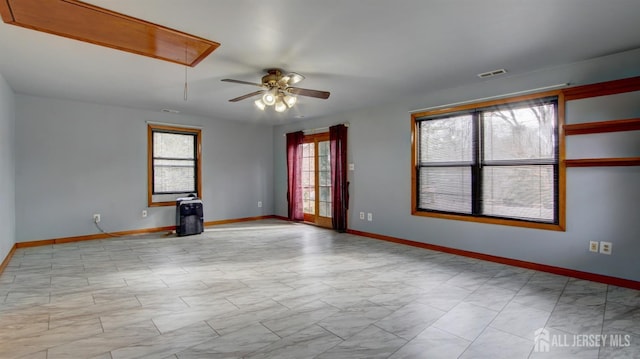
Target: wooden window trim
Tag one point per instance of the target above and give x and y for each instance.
(560, 226)
(569, 94)
(186, 130)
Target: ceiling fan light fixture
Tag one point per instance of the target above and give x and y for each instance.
(260, 104)
(276, 90)
(292, 78)
(269, 97)
(280, 105)
(290, 100)
(295, 78)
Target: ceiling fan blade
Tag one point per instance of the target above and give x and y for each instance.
(242, 82)
(307, 92)
(240, 98)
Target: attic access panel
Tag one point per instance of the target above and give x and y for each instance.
(84, 22)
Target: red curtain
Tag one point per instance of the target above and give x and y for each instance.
(340, 186)
(294, 175)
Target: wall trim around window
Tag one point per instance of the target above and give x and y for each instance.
(561, 196)
(151, 127)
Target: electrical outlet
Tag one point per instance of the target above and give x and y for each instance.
(606, 247)
(593, 246)
(361, 215)
(259, 204)
(369, 217)
(96, 218)
(144, 213)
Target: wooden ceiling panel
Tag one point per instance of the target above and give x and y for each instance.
(81, 21)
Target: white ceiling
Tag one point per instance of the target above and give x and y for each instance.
(362, 51)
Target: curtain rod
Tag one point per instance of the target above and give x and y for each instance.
(550, 87)
(319, 129)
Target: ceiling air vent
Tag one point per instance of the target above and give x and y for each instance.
(487, 74)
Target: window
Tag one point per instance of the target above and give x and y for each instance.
(173, 164)
(496, 162)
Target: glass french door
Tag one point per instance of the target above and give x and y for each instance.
(316, 180)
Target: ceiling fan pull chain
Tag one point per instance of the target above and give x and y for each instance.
(186, 88)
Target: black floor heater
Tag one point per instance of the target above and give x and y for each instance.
(189, 218)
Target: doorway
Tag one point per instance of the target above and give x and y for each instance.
(316, 179)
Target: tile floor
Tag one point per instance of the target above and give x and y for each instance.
(271, 289)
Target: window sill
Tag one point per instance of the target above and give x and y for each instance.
(487, 220)
(162, 204)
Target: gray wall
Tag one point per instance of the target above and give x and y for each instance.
(74, 159)
(7, 170)
(602, 203)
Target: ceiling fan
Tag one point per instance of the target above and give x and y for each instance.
(276, 90)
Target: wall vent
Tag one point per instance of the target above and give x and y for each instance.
(487, 74)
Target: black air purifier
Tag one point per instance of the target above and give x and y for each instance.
(189, 219)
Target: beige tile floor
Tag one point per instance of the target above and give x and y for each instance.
(271, 289)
